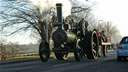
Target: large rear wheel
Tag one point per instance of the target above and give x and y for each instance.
(91, 45)
(44, 51)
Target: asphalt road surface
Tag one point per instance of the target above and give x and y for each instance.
(103, 64)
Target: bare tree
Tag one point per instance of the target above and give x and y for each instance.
(108, 27)
(22, 16)
(84, 11)
(81, 10)
(111, 31)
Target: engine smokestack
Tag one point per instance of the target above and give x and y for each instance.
(59, 15)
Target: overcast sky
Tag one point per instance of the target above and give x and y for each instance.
(107, 10)
(115, 11)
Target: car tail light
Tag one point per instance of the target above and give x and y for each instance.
(120, 47)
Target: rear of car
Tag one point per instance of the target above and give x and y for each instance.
(122, 51)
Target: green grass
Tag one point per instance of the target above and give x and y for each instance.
(27, 57)
(23, 57)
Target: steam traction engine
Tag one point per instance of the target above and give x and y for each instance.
(78, 40)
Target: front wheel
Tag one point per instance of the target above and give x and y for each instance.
(78, 52)
(60, 55)
(44, 51)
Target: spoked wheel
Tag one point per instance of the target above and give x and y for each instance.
(104, 50)
(44, 51)
(83, 29)
(91, 45)
(60, 55)
(78, 52)
(100, 51)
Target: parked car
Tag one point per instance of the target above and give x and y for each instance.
(122, 51)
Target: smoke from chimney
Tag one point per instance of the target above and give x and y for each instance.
(46, 4)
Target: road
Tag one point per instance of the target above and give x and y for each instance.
(103, 64)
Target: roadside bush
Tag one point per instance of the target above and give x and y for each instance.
(3, 52)
(8, 50)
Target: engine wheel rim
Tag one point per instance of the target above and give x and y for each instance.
(44, 51)
(83, 28)
(100, 51)
(78, 51)
(94, 45)
(60, 55)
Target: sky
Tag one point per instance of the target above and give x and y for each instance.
(45, 4)
(115, 11)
